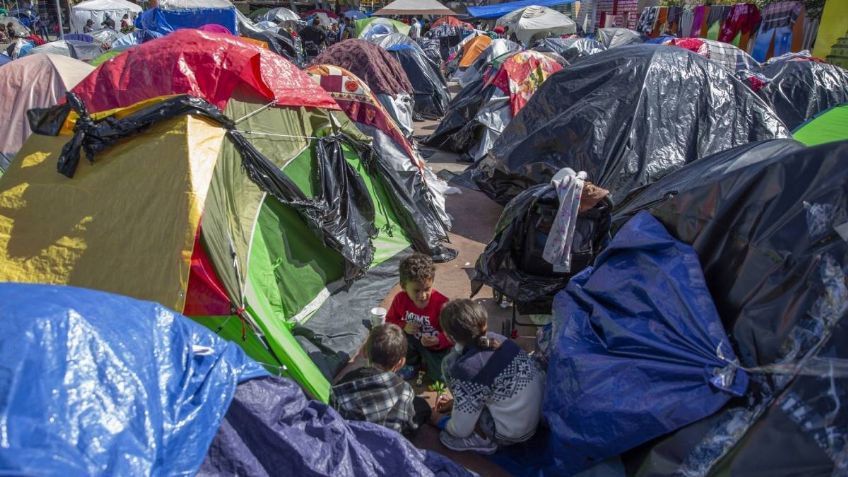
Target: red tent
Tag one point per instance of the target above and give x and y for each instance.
(452, 21)
(203, 64)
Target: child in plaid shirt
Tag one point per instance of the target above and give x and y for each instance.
(376, 393)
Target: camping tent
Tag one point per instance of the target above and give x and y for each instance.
(729, 56)
(500, 9)
(829, 126)
(80, 50)
(379, 26)
(615, 37)
(363, 108)
(534, 22)
(452, 21)
(172, 15)
(781, 294)
(428, 83)
(471, 50)
(34, 81)
(480, 112)
(798, 89)
(98, 10)
(639, 141)
(414, 7)
(294, 205)
(571, 49)
(496, 49)
(380, 71)
(160, 395)
(278, 15)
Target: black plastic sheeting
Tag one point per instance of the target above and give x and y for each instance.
(798, 90)
(342, 215)
(512, 262)
(570, 49)
(627, 117)
(429, 86)
(272, 429)
(769, 223)
(617, 37)
(458, 130)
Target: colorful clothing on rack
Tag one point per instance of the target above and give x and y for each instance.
(647, 20)
(742, 19)
(686, 19)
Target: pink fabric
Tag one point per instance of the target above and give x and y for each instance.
(203, 64)
(215, 28)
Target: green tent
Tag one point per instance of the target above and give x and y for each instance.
(274, 226)
(829, 126)
(362, 25)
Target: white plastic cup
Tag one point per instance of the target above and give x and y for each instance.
(378, 316)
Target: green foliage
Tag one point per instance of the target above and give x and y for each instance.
(439, 388)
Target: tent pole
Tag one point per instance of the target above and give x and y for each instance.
(59, 19)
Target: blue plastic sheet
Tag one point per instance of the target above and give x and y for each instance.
(501, 9)
(167, 21)
(639, 349)
(98, 384)
(272, 429)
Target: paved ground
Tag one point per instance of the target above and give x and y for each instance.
(474, 218)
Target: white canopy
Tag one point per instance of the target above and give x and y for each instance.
(415, 7)
(535, 22)
(97, 10)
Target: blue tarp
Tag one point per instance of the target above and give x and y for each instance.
(272, 429)
(639, 349)
(98, 384)
(167, 21)
(501, 9)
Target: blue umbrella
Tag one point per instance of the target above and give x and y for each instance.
(354, 14)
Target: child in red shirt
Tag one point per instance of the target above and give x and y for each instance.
(416, 309)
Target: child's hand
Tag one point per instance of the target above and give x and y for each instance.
(429, 341)
(410, 328)
(444, 403)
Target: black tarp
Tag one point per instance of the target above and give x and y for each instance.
(458, 130)
(616, 37)
(799, 89)
(570, 49)
(429, 86)
(769, 222)
(627, 117)
(272, 429)
(512, 262)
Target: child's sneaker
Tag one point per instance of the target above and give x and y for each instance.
(474, 443)
(407, 372)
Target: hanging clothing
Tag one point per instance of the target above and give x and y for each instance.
(662, 16)
(569, 187)
(716, 20)
(742, 18)
(673, 22)
(699, 14)
(647, 20)
(780, 14)
(686, 20)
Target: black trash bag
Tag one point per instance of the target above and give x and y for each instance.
(769, 223)
(626, 116)
(570, 49)
(429, 86)
(457, 131)
(272, 429)
(342, 215)
(797, 90)
(412, 203)
(512, 262)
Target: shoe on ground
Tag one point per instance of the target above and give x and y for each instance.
(473, 443)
